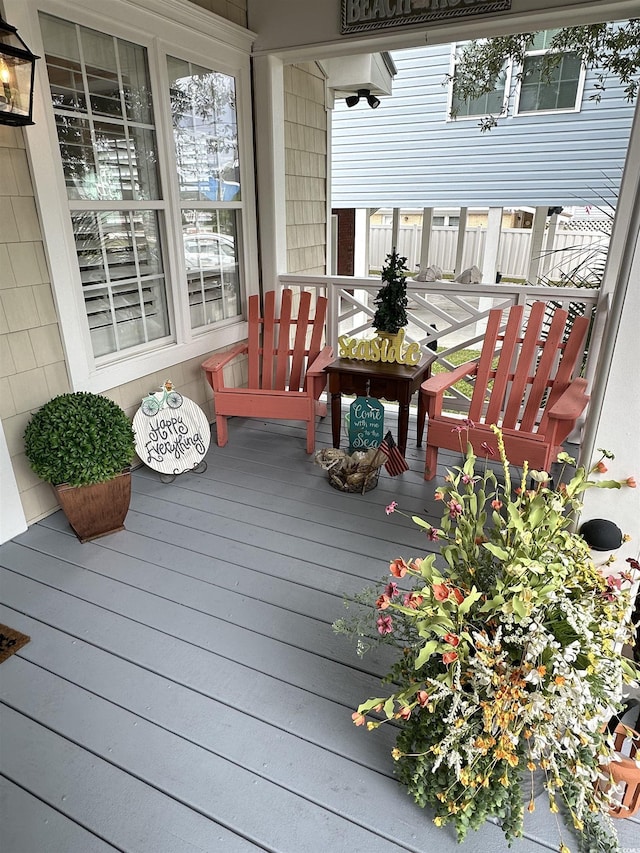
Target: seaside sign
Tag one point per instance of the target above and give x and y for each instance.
(361, 15)
(388, 350)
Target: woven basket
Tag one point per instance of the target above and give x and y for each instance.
(353, 474)
(359, 482)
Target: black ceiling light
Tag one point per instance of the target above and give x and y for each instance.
(373, 102)
(17, 72)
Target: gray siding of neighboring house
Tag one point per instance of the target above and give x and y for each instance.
(406, 153)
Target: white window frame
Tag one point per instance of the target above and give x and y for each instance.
(452, 67)
(163, 27)
(577, 107)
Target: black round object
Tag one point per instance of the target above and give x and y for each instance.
(601, 535)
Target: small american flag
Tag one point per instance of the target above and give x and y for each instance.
(396, 463)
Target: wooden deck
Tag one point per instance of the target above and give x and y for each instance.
(183, 690)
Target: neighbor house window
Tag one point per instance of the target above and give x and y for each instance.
(147, 199)
(491, 103)
(558, 90)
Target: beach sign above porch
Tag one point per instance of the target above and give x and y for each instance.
(362, 15)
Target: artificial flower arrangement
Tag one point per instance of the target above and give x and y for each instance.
(510, 664)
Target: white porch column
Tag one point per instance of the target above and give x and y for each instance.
(462, 233)
(361, 243)
(492, 244)
(425, 241)
(268, 82)
(548, 257)
(395, 228)
(12, 518)
(614, 411)
(535, 249)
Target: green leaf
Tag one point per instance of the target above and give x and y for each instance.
(388, 707)
(497, 551)
(519, 607)
(425, 653)
(469, 601)
(494, 603)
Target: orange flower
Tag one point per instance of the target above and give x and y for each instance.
(440, 591)
(601, 468)
(631, 482)
(358, 719)
(383, 602)
(452, 639)
(449, 657)
(398, 568)
(412, 600)
(458, 595)
(404, 713)
(496, 504)
(559, 680)
(423, 698)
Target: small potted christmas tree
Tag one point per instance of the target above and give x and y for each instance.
(391, 299)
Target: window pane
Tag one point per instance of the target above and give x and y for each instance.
(205, 131)
(556, 90)
(122, 277)
(105, 82)
(490, 103)
(211, 259)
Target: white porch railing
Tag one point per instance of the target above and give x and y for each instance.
(451, 314)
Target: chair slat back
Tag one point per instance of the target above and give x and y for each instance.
(277, 346)
(531, 372)
(569, 366)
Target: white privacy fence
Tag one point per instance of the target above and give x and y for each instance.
(570, 248)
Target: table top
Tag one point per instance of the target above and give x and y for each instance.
(390, 370)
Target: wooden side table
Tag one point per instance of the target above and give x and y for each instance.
(393, 382)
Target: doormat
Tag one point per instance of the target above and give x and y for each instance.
(10, 642)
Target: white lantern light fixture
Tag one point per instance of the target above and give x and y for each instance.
(17, 72)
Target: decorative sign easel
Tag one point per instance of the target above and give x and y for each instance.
(172, 433)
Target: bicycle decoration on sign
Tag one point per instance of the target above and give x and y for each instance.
(172, 433)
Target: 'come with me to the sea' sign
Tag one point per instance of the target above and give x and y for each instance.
(380, 349)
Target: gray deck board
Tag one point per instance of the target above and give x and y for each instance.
(183, 689)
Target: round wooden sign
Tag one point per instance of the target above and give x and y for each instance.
(173, 438)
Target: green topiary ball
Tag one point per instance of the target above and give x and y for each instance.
(79, 439)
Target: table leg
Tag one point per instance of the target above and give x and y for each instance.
(403, 427)
(336, 416)
(422, 415)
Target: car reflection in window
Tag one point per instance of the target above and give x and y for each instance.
(211, 252)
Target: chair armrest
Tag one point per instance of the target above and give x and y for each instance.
(322, 361)
(571, 403)
(216, 362)
(441, 381)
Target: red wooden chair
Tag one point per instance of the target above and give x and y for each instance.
(523, 383)
(285, 379)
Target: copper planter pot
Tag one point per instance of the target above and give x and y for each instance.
(97, 509)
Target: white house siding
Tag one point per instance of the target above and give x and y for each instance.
(406, 153)
(32, 361)
(305, 137)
